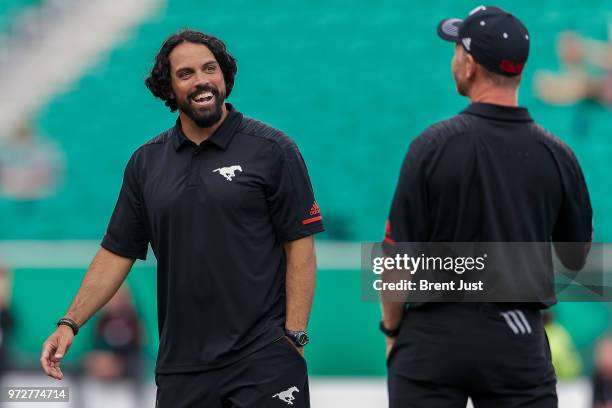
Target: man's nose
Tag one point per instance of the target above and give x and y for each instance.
(202, 78)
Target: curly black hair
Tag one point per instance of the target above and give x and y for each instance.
(159, 82)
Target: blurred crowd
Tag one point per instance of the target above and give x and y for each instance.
(585, 74)
(115, 355)
(30, 165)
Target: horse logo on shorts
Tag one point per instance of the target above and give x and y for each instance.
(287, 395)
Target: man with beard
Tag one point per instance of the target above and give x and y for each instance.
(492, 175)
(226, 203)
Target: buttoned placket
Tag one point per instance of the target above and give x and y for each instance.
(194, 179)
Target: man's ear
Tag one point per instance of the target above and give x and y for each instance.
(470, 65)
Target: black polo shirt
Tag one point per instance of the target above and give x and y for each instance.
(489, 174)
(216, 216)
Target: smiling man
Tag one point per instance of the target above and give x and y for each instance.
(226, 203)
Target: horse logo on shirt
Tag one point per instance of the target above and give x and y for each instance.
(228, 172)
(287, 395)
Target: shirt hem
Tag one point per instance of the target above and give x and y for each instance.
(304, 233)
(176, 369)
(120, 252)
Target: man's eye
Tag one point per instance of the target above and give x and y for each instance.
(210, 69)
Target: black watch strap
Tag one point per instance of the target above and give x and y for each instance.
(299, 338)
(388, 332)
(70, 323)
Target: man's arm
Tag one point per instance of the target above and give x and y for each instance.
(392, 313)
(392, 308)
(407, 222)
(299, 282)
(104, 276)
(573, 231)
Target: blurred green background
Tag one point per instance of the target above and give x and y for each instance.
(353, 82)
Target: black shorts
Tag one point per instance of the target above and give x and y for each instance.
(274, 377)
(497, 355)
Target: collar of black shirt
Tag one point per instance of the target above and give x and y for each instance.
(222, 136)
(499, 112)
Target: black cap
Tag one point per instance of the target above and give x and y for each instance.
(495, 38)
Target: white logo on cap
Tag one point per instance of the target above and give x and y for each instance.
(450, 27)
(477, 9)
(466, 43)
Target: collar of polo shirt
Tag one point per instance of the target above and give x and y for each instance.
(499, 112)
(222, 136)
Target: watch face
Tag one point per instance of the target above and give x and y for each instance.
(302, 339)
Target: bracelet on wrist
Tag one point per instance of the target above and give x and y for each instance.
(64, 321)
(388, 332)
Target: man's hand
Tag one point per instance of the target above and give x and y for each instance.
(390, 342)
(104, 276)
(54, 349)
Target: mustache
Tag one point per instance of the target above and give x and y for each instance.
(204, 88)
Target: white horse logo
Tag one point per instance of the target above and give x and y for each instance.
(287, 395)
(228, 172)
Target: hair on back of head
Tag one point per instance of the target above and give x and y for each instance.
(502, 81)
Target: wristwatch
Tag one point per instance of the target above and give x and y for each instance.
(299, 338)
(388, 332)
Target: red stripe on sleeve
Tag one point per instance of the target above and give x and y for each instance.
(390, 240)
(311, 220)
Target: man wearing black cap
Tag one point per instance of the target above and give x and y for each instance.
(489, 174)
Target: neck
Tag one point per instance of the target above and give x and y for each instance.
(494, 95)
(199, 134)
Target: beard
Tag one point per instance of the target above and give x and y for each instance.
(203, 117)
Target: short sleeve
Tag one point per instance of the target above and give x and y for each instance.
(126, 234)
(408, 216)
(575, 219)
(293, 208)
